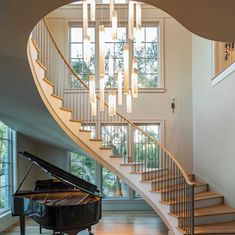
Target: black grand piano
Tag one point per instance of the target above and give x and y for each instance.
(64, 204)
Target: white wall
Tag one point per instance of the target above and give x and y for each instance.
(178, 82)
(213, 122)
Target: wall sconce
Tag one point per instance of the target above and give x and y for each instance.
(173, 104)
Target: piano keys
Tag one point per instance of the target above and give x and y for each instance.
(65, 204)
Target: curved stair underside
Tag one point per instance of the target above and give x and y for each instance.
(212, 216)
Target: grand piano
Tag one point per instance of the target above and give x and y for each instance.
(64, 203)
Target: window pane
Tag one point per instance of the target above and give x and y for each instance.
(151, 34)
(4, 197)
(115, 136)
(76, 51)
(83, 167)
(113, 186)
(76, 34)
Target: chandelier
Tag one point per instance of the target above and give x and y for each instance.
(127, 77)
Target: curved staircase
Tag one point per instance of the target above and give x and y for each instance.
(186, 205)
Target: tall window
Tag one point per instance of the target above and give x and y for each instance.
(83, 69)
(117, 137)
(5, 166)
(83, 167)
(114, 49)
(148, 57)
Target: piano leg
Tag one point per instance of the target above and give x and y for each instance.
(22, 225)
(89, 231)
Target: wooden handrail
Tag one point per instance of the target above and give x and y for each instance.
(185, 175)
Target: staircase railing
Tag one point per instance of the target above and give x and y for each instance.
(167, 175)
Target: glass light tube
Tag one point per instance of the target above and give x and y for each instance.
(111, 64)
(119, 87)
(114, 26)
(92, 9)
(128, 103)
(101, 50)
(126, 68)
(87, 48)
(111, 9)
(138, 15)
(131, 19)
(101, 93)
(138, 37)
(94, 107)
(85, 18)
(92, 89)
(112, 103)
(134, 85)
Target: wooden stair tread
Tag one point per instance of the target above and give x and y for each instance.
(48, 82)
(217, 228)
(96, 140)
(73, 120)
(116, 156)
(221, 209)
(132, 164)
(66, 109)
(206, 195)
(41, 65)
(165, 177)
(178, 187)
(197, 197)
(214, 210)
(58, 97)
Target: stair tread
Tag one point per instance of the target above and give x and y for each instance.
(221, 209)
(214, 210)
(218, 228)
(197, 197)
(165, 177)
(49, 82)
(58, 97)
(179, 187)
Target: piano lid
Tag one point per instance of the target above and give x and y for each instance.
(62, 174)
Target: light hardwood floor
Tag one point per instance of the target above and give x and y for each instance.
(112, 223)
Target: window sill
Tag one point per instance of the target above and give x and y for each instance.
(223, 74)
(4, 213)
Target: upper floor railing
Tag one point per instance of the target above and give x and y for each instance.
(148, 156)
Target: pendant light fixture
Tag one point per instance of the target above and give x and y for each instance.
(101, 50)
(119, 78)
(131, 19)
(114, 25)
(101, 94)
(134, 85)
(126, 68)
(94, 107)
(92, 94)
(87, 48)
(85, 18)
(128, 103)
(138, 15)
(138, 25)
(111, 64)
(112, 103)
(111, 9)
(92, 9)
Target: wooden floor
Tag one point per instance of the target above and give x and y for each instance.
(113, 223)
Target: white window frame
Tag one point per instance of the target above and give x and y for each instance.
(159, 22)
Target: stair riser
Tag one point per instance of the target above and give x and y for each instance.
(208, 202)
(161, 184)
(153, 175)
(200, 204)
(39, 71)
(212, 219)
